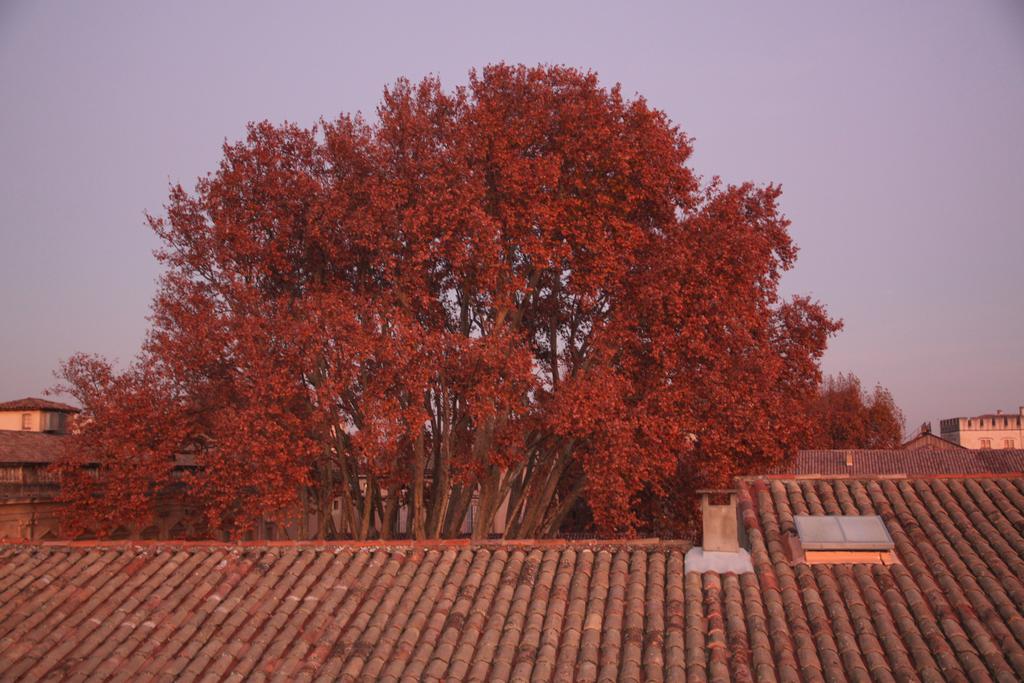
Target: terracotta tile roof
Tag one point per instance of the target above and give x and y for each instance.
(549, 611)
(951, 609)
(38, 404)
(42, 448)
(30, 447)
(831, 463)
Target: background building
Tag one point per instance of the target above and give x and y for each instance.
(36, 415)
(32, 435)
(918, 462)
(928, 441)
(998, 430)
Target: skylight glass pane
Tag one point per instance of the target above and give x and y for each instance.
(842, 532)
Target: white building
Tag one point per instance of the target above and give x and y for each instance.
(998, 430)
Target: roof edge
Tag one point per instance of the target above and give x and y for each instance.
(971, 475)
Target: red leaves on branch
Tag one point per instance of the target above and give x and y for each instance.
(846, 416)
(516, 291)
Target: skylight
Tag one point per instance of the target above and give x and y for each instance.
(843, 532)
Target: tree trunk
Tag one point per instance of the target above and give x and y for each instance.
(441, 488)
(364, 528)
(418, 503)
(390, 514)
(459, 501)
(487, 505)
(553, 524)
(542, 492)
(350, 494)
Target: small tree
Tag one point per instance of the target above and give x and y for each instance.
(515, 291)
(846, 416)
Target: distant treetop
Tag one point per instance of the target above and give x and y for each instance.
(844, 415)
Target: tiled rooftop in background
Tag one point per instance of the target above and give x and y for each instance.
(950, 610)
(38, 404)
(832, 463)
(30, 447)
(42, 448)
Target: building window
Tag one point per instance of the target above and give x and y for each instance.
(1007, 443)
(26, 421)
(986, 443)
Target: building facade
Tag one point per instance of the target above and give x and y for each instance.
(36, 415)
(996, 430)
(32, 435)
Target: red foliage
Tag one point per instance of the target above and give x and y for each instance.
(846, 416)
(514, 290)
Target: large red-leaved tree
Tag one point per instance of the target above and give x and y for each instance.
(514, 291)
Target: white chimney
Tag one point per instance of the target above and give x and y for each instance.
(724, 539)
(721, 522)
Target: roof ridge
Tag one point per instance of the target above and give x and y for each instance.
(637, 543)
(36, 403)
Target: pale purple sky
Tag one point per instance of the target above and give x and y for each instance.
(896, 130)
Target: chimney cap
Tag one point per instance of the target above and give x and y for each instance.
(719, 497)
